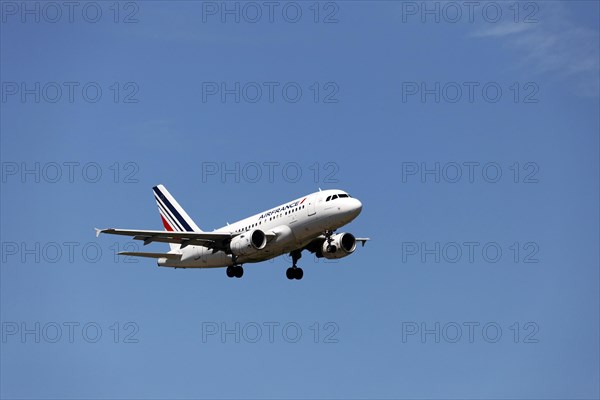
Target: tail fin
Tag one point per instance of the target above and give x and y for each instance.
(174, 217)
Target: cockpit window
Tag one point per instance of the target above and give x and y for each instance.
(335, 196)
(343, 195)
(328, 198)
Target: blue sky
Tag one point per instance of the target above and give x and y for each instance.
(384, 99)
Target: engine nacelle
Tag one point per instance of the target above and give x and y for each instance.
(248, 242)
(341, 245)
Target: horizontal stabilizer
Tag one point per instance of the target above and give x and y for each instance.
(170, 256)
(362, 240)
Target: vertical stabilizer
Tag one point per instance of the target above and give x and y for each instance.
(174, 217)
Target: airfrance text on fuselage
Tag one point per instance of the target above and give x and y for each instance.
(280, 209)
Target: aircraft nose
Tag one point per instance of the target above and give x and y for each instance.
(356, 206)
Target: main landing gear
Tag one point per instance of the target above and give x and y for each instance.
(235, 271)
(294, 272)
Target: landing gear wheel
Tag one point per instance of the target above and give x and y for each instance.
(230, 271)
(238, 271)
(235, 271)
(289, 273)
(294, 273)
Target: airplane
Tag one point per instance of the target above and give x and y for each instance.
(307, 223)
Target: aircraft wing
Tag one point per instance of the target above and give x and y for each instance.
(213, 240)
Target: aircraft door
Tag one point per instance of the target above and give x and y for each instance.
(312, 205)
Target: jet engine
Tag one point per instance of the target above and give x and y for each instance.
(341, 245)
(248, 242)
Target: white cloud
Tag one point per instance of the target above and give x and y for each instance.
(554, 45)
(503, 29)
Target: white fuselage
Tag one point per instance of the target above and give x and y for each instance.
(292, 226)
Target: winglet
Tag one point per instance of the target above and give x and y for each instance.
(98, 231)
